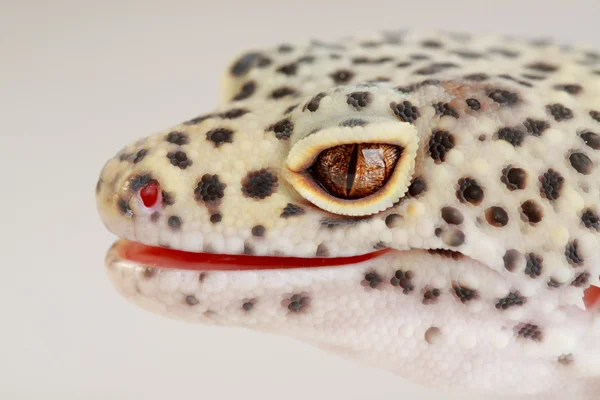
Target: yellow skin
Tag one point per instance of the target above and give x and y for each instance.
(490, 211)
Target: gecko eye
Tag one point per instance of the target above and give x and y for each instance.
(150, 195)
(355, 171)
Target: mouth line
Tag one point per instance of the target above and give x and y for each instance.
(160, 257)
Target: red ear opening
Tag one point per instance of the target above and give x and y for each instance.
(149, 194)
(591, 297)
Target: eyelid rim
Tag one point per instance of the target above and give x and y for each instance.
(305, 151)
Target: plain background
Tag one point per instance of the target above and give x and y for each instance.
(79, 79)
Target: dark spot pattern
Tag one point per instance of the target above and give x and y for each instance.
(514, 178)
(288, 69)
(473, 104)
(283, 92)
(572, 254)
(393, 220)
(591, 139)
(405, 111)
(234, 113)
(124, 207)
(534, 265)
(258, 231)
(373, 279)
(581, 163)
(179, 159)
(559, 112)
(174, 222)
(464, 294)
(402, 279)
(353, 122)
(216, 218)
(452, 216)
(417, 187)
(535, 127)
(191, 300)
(496, 216)
(440, 143)
(248, 305)
(313, 104)
(504, 97)
(530, 331)
(139, 156)
(532, 212)
(359, 100)
(248, 61)
(454, 255)
(259, 184)
(178, 138)
(430, 296)
(291, 210)
(342, 76)
(566, 359)
(551, 184)
(513, 136)
(573, 89)
(209, 189)
(582, 279)
(290, 109)
(477, 77)
(513, 299)
(590, 219)
(510, 258)
(137, 182)
(453, 237)
(298, 302)
(246, 91)
(595, 115)
(469, 191)
(219, 136)
(283, 129)
(542, 67)
(435, 68)
(445, 109)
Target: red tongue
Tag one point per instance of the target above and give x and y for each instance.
(167, 258)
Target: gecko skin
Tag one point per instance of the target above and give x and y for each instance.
(425, 203)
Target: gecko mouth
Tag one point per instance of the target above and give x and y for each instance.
(159, 257)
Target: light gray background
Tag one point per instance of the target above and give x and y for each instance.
(80, 79)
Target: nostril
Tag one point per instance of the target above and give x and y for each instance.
(150, 194)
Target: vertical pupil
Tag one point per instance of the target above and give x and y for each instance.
(149, 194)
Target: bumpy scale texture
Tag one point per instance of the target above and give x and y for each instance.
(495, 237)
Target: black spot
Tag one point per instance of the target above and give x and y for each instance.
(469, 191)
(513, 299)
(432, 44)
(530, 331)
(209, 189)
(199, 119)
(353, 122)
(288, 69)
(513, 136)
(322, 251)
(247, 62)
(504, 97)
(572, 254)
(468, 55)
(473, 104)
(248, 305)
(595, 115)
(307, 59)
(559, 112)
(297, 303)
(510, 258)
(283, 129)
(403, 64)
(403, 280)
(430, 296)
(440, 143)
(532, 212)
(283, 92)
(393, 220)
(258, 230)
(581, 163)
(551, 184)
(179, 159)
(464, 294)
(582, 279)
(455, 255)
(219, 136)
(496, 216)
(124, 207)
(373, 279)
(313, 104)
(478, 77)
(405, 111)
(174, 222)
(452, 216)
(178, 138)
(137, 182)
(359, 100)
(536, 127)
(154, 216)
(191, 300)
(590, 219)
(259, 184)
(566, 359)
(139, 156)
(435, 68)
(569, 88)
(553, 284)
(291, 210)
(342, 76)
(246, 91)
(167, 198)
(514, 178)
(453, 237)
(482, 138)
(520, 82)
(216, 218)
(534, 265)
(290, 109)
(591, 139)
(234, 113)
(417, 186)
(504, 52)
(285, 48)
(445, 109)
(542, 67)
